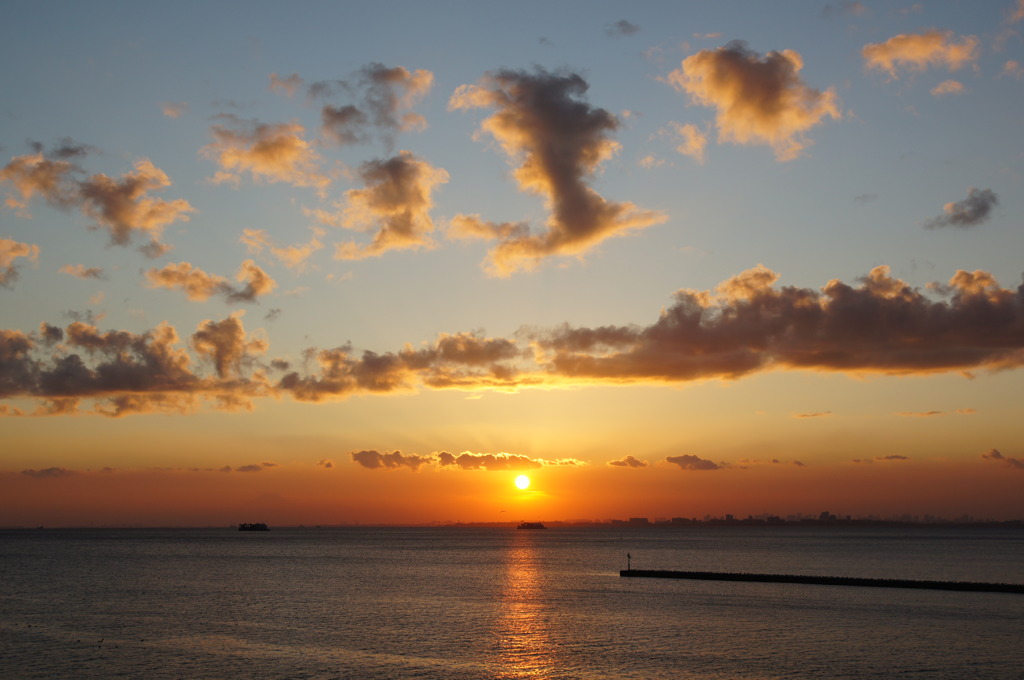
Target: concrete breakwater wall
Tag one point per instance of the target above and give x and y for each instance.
(826, 580)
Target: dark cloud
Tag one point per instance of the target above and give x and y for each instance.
(48, 473)
(622, 27)
(995, 456)
(690, 462)
(628, 461)
(124, 373)
(394, 460)
(970, 212)
(558, 141)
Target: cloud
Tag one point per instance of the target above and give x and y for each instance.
(815, 414)
(293, 257)
(759, 100)
(123, 373)
(268, 152)
(690, 462)
(288, 85)
(383, 101)
(326, 463)
(48, 473)
(174, 109)
(37, 175)
(891, 457)
(225, 344)
(499, 461)
(746, 325)
(463, 360)
(396, 202)
(122, 206)
(967, 213)
(1013, 69)
(81, 271)
(947, 87)
(917, 52)
(628, 461)
(622, 27)
(200, 286)
(845, 8)
(558, 141)
(10, 251)
(694, 141)
(920, 414)
(995, 456)
(1017, 13)
(883, 325)
(396, 459)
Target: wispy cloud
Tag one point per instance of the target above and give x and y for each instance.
(10, 251)
(917, 52)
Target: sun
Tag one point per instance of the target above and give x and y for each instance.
(522, 482)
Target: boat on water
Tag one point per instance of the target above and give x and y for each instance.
(531, 525)
(253, 526)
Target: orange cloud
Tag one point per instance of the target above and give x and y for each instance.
(917, 52)
(396, 201)
(123, 208)
(694, 141)
(174, 109)
(947, 87)
(81, 271)
(760, 100)
(293, 257)
(200, 286)
(33, 175)
(268, 152)
(558, 141)
(10, 251)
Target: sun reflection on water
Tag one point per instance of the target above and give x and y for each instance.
(526, 649)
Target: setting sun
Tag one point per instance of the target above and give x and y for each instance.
(522, 482)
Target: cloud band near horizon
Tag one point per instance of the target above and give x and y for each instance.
(746, 326)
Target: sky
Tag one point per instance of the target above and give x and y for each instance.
(368, 262)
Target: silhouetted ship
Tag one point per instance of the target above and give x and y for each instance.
(531, 525)
(253, 526)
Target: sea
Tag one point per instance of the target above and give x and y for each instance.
(494, 603)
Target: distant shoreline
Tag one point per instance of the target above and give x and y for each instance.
(611, 524)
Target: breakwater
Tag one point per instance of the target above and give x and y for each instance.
(826, 580)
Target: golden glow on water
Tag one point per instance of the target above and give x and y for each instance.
(526, 649)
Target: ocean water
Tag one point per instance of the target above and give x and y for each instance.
(452, 603)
